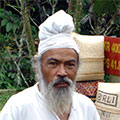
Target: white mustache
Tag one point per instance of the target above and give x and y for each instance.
(62, 80)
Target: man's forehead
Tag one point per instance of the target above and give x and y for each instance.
(60, 53)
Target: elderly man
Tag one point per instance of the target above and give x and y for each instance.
(53, 97)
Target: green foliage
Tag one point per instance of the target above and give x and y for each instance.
(4, 96)
(15, 63)
(105, 7)
(6, 76)
(8, 69)
(100, 17)
(9, 20)
(21, 4)
(52, 1)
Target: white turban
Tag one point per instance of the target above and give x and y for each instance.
(55, 33)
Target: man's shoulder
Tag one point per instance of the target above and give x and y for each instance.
(82, 102)
(86, 105)
(23, 97)
(82, 99)
(25, 93)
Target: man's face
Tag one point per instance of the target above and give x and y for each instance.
(59, 63)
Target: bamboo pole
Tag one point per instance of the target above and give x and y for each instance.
(72, 7)
(75, 9)
(7, 90)
(26, 19)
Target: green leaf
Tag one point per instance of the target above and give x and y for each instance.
(4, 22)
(105, 7)
(33, 9)
(5, 53)
(9, 27)
(21, 4)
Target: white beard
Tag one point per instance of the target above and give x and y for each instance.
(58, 100)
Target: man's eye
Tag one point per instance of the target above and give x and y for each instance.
(52, 64)
(71, 65)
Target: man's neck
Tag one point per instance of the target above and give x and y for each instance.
(64, 116)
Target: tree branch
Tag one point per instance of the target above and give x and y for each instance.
(18, 68)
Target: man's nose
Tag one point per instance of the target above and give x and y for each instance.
(61, 71)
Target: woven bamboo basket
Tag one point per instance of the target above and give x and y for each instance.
(91, 57)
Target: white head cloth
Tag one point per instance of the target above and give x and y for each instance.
(55, 33)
